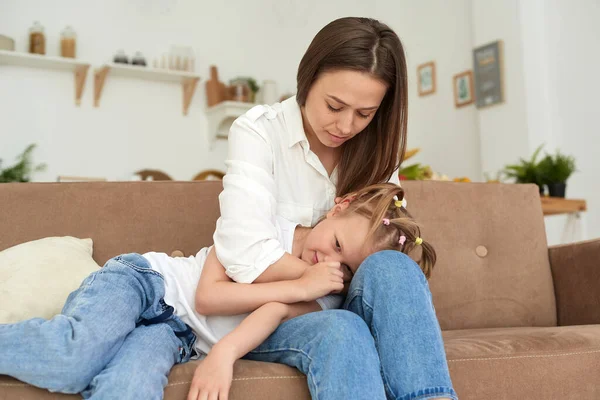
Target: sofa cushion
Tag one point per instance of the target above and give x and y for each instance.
(525, 363)
(510, 363)
(37, 277)
(252, 380)
(493, 268)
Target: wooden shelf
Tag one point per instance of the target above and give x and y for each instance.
(188, 80)
(78, 68)
(221, 116)
(557, 206)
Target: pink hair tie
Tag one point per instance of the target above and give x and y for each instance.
(386, 221)
(402, 240)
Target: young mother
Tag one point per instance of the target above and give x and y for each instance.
(344, 130)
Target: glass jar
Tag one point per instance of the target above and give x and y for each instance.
(239, 90)
(37, 39)
(120, 57)
(138, 59)
(68, 40)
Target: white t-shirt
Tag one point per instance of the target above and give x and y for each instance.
(182, 275)
(270, 171)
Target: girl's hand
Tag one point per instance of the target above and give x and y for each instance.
(212, 378)
(321, 279)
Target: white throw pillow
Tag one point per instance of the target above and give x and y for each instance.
(37, 277)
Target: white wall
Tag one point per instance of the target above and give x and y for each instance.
(502, 127)
(561, 87)
(573, 58)
(139, 124)
(551, 93)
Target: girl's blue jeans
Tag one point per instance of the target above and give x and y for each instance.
(115, 338)
(386, 342)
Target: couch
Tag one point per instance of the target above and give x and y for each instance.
(520, 320)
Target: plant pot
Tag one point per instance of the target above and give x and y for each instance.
(542, 189)
(557, 189)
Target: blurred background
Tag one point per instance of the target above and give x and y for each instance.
(162, 120)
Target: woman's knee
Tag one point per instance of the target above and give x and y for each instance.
(390, 266)
(342, 328)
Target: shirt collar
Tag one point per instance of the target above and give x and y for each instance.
(293, 121)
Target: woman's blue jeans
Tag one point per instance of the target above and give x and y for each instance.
(385, 343)
(115, 338)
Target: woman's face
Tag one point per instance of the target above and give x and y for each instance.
(340, 104)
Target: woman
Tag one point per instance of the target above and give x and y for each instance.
(344, 130)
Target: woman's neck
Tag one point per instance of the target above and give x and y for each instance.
(329, 156)
(300, 234)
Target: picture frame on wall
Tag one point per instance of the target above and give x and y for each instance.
(426, 78)
(488, 70)
(464, 90)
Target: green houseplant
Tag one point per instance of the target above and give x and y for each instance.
(22, 170)
(252, 85)
(526, 171)
(555, 170)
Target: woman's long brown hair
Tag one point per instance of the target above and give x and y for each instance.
(364, 45)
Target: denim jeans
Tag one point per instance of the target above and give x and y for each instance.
(115, 339)
(386, 343)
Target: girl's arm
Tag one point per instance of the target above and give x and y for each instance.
(216, 294)
(212, 378)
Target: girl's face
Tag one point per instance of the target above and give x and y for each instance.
(340, 104)
(339, 237)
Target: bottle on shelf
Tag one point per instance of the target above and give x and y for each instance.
(68, 40)
(138, 59)
(120, 57)
(37, 39)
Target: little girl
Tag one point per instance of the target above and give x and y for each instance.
(120, 333)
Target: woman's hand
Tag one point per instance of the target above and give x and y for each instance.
(212, 378)
(321, 279)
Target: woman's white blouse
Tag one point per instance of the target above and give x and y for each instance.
(270, 171)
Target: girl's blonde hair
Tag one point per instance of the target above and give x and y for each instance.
(390, 222)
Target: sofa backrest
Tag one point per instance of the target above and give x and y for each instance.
(492, 269)
(120, 217)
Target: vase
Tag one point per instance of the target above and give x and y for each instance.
(269, 92)
(557, 189)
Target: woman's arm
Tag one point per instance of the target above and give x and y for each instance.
(286, 268)
(212, 378)
(218, 295)
(245, 238)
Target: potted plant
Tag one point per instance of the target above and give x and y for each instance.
(414, 171)
(22, 170)
(526, 171)
(555, 170)
(252, 86)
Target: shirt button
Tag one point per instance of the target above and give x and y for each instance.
(481, 251)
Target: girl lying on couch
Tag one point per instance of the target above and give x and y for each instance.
(121, 332)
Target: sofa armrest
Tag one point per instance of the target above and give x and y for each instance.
(576, 274)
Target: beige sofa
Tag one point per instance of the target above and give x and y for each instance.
(520, 321)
